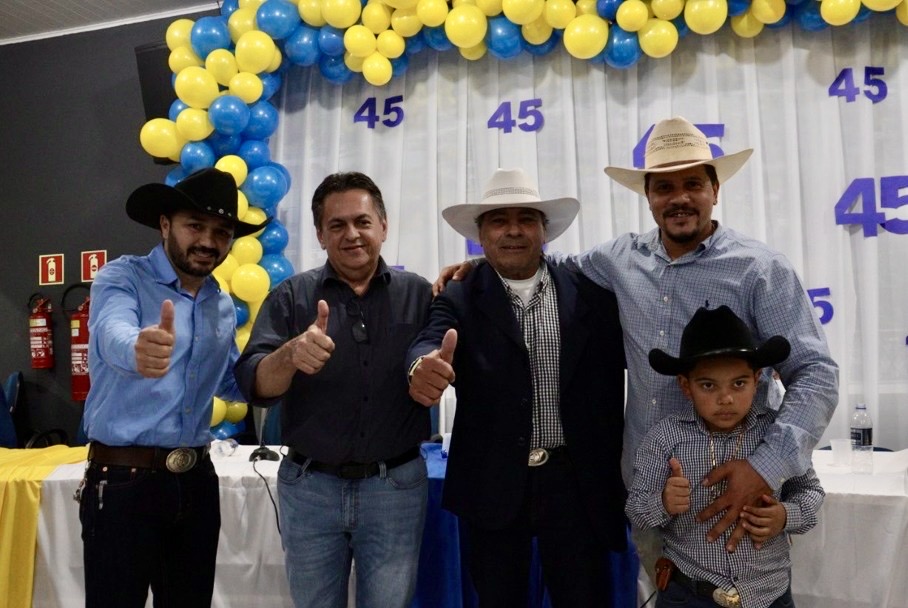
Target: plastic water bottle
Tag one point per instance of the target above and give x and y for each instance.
(222, 448)
(861, 440)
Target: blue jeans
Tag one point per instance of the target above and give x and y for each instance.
(679, 595)
(327, 521)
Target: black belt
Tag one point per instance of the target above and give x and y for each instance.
(540, 456)
(353, 470)
(701, 588)
(175, 460)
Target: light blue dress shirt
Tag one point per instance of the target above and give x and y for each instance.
(125, 408)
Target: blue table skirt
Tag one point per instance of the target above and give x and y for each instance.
(444, 581)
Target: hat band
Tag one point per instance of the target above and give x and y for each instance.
(510, 191)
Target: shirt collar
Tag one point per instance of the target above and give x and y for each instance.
(652, 242)
(541, 286)
(166, 275)
(382, 273)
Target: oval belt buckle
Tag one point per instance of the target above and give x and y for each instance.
(538, 457)
(181, 460)
(727, 599)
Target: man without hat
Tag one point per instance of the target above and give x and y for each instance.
(162, 345)
(536, 443)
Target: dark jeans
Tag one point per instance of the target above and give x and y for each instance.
(573, 561)
(679, 595)
(144, 528)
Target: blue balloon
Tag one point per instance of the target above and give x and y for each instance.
(737, 7)
(242, 311)
(277, 18)
(262, 121)
(224, 144)
(271, 83)
(283, 171)
(503, 38)
(175, 108)
(228, 6)
(399, 65)
(795, 2)
(608, 9)
(544, 48)
(863, 14)
(229, 114)
(437, 39)
(334, 69)
(681, 25)
(208, 34)
(301, 47)
(255, 152)
(785, 20)
(415, 43)
(226, 429)
(196, 155)
(809, 18)
(175, 176)
(623, 48)
(277, 266)
(331, 42)
(274, 237)
(265, 187)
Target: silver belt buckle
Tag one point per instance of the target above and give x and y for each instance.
(181, 460)
(538, 457)
(727, 599)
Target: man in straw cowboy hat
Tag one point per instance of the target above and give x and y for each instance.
(663, 276)
(717, 369)
(162, 345)
(539, 364)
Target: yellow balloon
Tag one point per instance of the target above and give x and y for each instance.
(632, 15)
(226, 268)
(218, 411)
(537, 32)
(222, 65)
(251, 4)
(746, 25)
(901, 12)
(179, 33)
(839, 12)
(586, 7)
(276, 60)
(242, 337)
(359, 41)
(236, 411)
(558, 13)
(432, 12)
(193, 124)
(242, 204)
(159, 137)
(255, 215)
(341, 13)
(390, 44)
(246, 86)
(466, 26)
(241, 20)
(882, 5)
(489, 8)
(767, 11)
(250, 282)
(235, 166)
(406, 22)
(246, 250)
(522, 12)
(401, 3)
(376, 16)
(354, 63)
(223, 283)
(183, 57)
(196, 87)
(658, 38)
(377, 69)
(667, 9)
(586, 36)
(311, 12)
(254, 308)
(707, 16)
(254, 51)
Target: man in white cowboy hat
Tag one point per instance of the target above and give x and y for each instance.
(663, 276)
(162, 345)
(536, 443)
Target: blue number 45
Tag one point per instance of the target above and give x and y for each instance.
(868, 217)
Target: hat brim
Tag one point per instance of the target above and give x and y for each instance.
(726, 166)
(148, 203)
(560, 213)
(773, 351)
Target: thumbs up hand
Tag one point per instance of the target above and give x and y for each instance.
(310, 350)
(676, 495)
(154, 344)
(434, 372)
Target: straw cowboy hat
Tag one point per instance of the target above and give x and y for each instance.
(512, 188)
(210, 191)
(719, 332)
(675, 144)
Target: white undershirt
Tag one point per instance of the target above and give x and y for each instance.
(525, 288)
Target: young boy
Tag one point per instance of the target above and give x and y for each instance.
(718, 369)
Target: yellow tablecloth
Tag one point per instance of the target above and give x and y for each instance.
(21, 474)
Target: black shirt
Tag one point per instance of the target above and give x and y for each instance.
(357, 407)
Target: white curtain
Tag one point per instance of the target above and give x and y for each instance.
(771, 93)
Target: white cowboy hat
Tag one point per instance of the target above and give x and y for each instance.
(675, 144)
(512, 188)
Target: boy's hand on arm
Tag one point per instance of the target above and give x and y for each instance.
(745, 487)
(765, 521)
(155, 344)
(434, 372)
(676, 495)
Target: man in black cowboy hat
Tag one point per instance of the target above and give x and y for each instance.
(717, 369)
(162, 345)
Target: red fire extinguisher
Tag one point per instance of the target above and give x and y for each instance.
(40, 332)
(78, 326)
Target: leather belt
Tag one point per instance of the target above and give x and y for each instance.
(728, 599)
(540, 456)
(175, 460)
(353, 470)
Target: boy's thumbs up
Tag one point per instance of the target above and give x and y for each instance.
(676, 467)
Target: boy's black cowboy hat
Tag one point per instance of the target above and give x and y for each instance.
(208, 190)
(718, 332)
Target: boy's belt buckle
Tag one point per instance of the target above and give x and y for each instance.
(181, 460)
(538, 457)
(727, 599)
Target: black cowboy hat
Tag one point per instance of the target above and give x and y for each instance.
(718, 332)
(208, 190)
